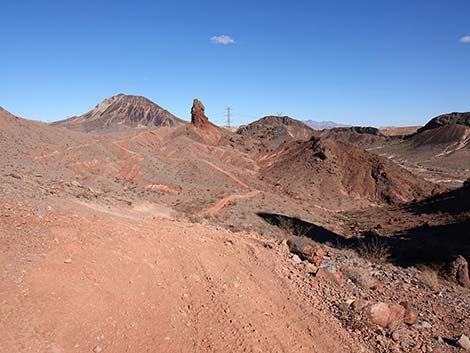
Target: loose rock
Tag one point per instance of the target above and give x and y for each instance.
(296, 259)
(384, 314)
(458, 272)
(389, 314)
(463, 342)
(306, 249)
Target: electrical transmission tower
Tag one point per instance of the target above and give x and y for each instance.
(228, 115)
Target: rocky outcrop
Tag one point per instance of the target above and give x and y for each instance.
(201, 128)
(198, 117)
(458, 272)
(306, 249)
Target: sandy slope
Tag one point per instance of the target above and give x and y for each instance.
(83, 279)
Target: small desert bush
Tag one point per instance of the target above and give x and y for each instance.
(373, 249)
(396, 326)
(429, 279)
(286, 224)
(294, 226)
(360, 276)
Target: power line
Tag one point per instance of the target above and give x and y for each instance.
(228, 115)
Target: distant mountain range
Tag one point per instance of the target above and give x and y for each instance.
(321, 125)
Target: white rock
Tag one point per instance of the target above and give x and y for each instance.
(464, 342)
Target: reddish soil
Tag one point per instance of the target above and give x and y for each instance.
(79, 279)
(147, 239)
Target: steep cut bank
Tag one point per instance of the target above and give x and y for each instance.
(120, 112)
(339, 175)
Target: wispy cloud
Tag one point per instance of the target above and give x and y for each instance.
(222, 39)
(465, 39)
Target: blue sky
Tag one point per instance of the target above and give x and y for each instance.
(377, 63)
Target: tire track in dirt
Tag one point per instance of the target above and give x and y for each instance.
(226, 200)
(230, 175)
(56, 152)
(117, 143)
(219, 205)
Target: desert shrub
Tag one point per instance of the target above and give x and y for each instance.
(303, 230)
(360, 277)
(373, 249)
(429, 279)
(286, 224)
(396, 326)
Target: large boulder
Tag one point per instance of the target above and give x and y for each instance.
(306, 249)
(458, 271)
(389, 314)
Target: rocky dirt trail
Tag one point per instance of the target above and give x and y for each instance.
(227, 200)
(76, 279)
(231, 198)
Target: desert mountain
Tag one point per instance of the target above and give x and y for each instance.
(447, 119)
(339, 174)
(322, 125)
(451, 131)
(276, 130)
(122, 111)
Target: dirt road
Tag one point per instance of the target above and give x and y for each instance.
(76, 279)
(226, 200)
